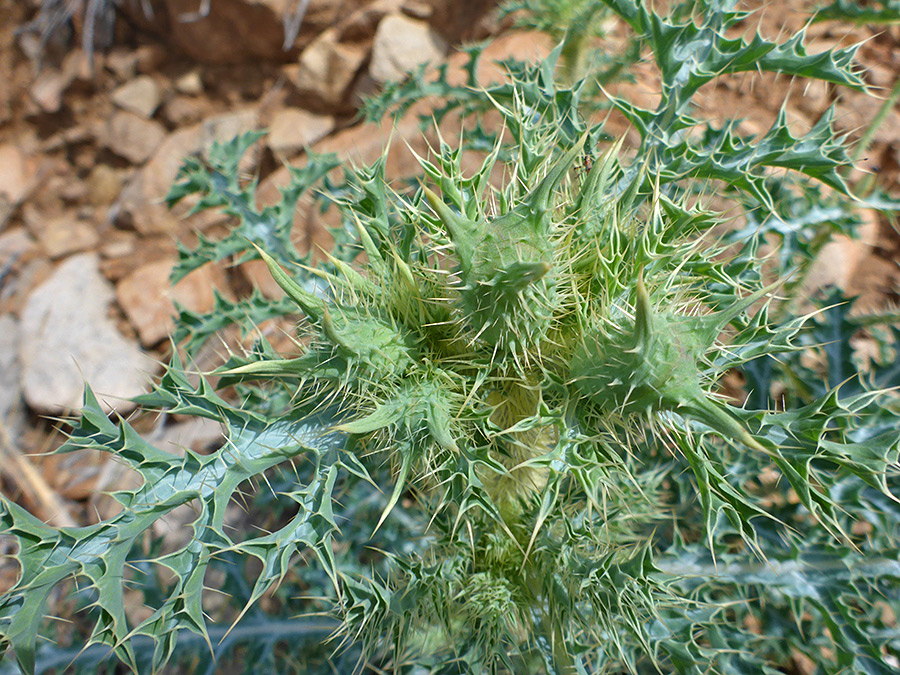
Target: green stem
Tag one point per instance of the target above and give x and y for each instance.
(563, 662)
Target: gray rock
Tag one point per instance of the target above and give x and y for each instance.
(67, 339)
(11, 407)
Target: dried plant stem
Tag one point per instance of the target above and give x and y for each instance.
(49, 507)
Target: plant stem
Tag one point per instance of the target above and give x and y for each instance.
(562, 659)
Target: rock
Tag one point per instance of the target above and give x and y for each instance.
(141, 96)
(67, 339)
(150, 58)
(459, 21)
(146, 297)
(133, 137)
(104, 184)
(365, 143)
(361, 25)
(117, 244)
(190, 84)
(15, 176)
(528, 46)
(73, 192)
(77, 67)
(293, 129)
(326, 70)
(842, 260)
(362, 145)
(66, 234)
(16, 180)
(401, 44)
(122, 62)
(16, 245)
(237, 31)
(11, 408)
(48, 88)
(140, 205)
(226, 126)
(180, 111)
(257, 274)
(417, 9)
(123, 252)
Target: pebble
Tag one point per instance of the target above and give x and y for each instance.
(140, 96)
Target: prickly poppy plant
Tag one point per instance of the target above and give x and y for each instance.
(502, 444)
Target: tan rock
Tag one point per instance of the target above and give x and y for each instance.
(327, 69)
(182, 111)
(226, 126)
(104, 184)
(14, 173)
(76, 65)
(122, 62)
(844, 262)
(365, 143)
(133, 137)
(258, 276)
(146, 297)
(190, 83)
(402, 44)
(293, 129)
(124, 252)
(362, 24)
(417, 9)
(141, 202)
(528, 46)
(151, 57)
(66, 234)
(48, 88)
(16, 180)
(140, 96)
(118, 244)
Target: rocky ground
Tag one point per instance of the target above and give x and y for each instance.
(89, 146)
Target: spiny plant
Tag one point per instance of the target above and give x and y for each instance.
(573, 24)
(875, 11)
(528, 361)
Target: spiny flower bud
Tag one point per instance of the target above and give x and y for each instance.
(359, 337)
(656, 366)
(508, 291)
